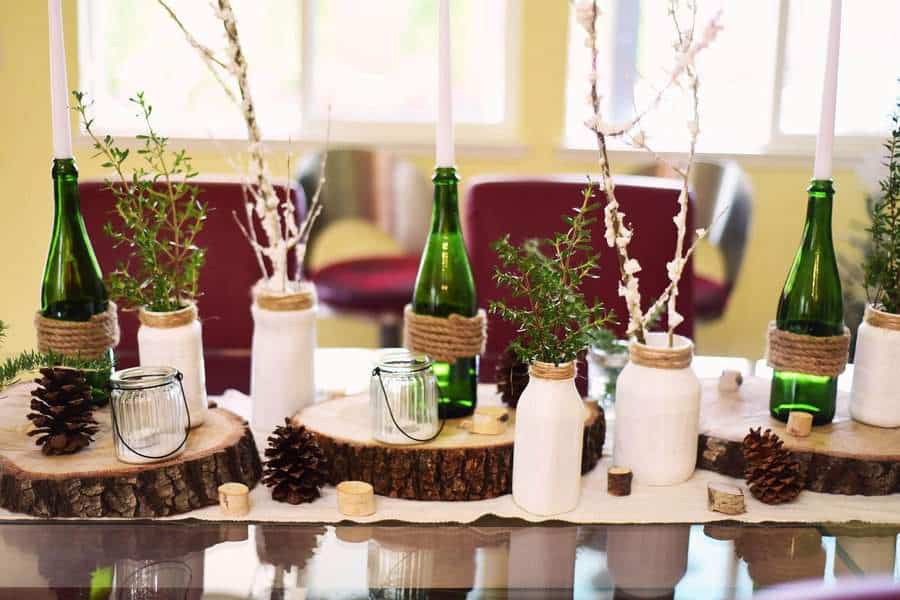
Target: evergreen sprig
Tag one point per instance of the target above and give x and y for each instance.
(882, 262)
(557, 323)
(159, 217)
(97, 370)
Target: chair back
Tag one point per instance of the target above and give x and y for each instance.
(534, 207)
(723, 195)
(373, 186)
(225, 281)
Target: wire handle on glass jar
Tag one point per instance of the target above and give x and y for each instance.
(179, 377)
(376, 372)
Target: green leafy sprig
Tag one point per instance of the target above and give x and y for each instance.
(882, 262)
(97, 371)
(557, 323)
(159, 217)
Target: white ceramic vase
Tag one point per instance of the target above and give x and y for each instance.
(875, 395)
(282, 380)
(175, 339)
(658, 412)
(549, 434)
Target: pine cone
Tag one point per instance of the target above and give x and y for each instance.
(512, 377)
(772, 473)
(64, 419)
(296, 466)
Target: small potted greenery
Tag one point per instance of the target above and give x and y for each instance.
(556, 323)
(158, 217)
(875, 396)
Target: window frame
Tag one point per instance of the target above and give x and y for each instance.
(314, 129)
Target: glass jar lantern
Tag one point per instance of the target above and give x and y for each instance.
(149, 414)
(403, 399)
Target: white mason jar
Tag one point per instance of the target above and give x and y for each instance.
(282, 378)
(549, 434)
(658, 411)
(875, 395)
(175, 339)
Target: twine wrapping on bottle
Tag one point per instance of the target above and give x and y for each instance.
(84, 339)
(543, 370)
(661, 357)
(825, 356)
(301, 300)
(881, 319)
(445, 339)
(170, 319)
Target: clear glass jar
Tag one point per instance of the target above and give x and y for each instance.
(604, 366)
(409, 412)
(150, 414)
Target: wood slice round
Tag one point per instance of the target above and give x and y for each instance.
(458, 465)
(844, 457)
(92, 483)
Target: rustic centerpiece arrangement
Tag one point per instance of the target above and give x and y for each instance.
(158, 215)
(284, 305)
(657, 393)
(875, 398)
(556, 325)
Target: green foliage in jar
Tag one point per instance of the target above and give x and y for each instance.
(556, 321)
(158, 217)
(882, 262)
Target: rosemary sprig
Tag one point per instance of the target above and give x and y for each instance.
(556, 322)
(882, 262)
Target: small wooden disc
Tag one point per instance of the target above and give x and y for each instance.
(618, 481)
(458, 465)
(799, 423)
(844, 457)
(723, 498)
(356, 498)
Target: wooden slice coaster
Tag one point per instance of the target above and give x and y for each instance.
(845, 457)
(458, 465)
(92, 483)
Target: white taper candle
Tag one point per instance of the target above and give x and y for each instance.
(445, 157)
(825, 141)
(59, 87)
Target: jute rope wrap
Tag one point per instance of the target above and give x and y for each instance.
(445, 339)
(286, 302)
(825, 356)
(86, 339)
(542, 370)
(168, 320)
(883, 320)
(661, 357)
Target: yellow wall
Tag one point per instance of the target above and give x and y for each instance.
(25, 153)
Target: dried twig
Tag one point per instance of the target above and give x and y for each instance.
(276, 216)
(618, 234)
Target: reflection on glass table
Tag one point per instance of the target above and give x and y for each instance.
(493, 559)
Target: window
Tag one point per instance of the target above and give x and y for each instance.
(371, 66)
(761, 82)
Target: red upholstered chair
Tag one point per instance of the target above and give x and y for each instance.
(533, 207)
(230, 271)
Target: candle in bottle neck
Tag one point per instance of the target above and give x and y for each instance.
(825, 140)
(444, 156)
(62, 135)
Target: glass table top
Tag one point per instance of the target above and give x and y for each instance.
(190, 560)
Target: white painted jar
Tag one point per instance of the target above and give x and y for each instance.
(175, 339)
(282, 380)
(549, 434)
(658, 412)
(875, 395)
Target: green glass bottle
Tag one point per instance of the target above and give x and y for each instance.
(445, 286)
(811, 304)
(72, 288)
